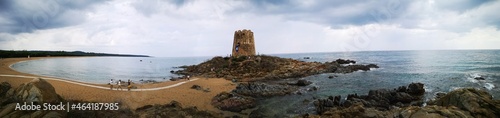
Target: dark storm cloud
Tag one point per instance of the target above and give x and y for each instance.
(19, 16)
(334, 12)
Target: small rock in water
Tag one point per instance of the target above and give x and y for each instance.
(303, 83)
(479, 78)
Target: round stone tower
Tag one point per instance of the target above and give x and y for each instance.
(243, 44)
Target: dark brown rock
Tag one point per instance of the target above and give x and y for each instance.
(197, 87)
(345, 61)
(479, 78)
(416, 89)
(232, 102)
(303, 83)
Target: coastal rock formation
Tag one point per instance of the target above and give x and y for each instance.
(381, 99)
(345, 61)
(478, 102)
(232, 102)
(262, 67)
(263, 90)
(461, 103)
(37, 91)
(172, 110)
(243, 44)
(359, 110)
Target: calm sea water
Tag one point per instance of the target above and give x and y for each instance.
(440, 71)
(102, 69)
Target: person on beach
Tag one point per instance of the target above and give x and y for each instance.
(129, 85)
(111, 84)
(119, 83)
(188, 77)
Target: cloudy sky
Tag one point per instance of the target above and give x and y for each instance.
(205, 27)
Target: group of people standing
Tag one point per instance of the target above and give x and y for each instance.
(119, 84)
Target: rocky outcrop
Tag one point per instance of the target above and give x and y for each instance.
(381, 99)
(37, 91)
(257, 68)
(232, 102)
(242, 97)
(359, 110)
(345, 61)
(461, 103)
(478, 102)
(263, 90)
(172, 110)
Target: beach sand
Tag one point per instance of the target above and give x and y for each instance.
(130, 99)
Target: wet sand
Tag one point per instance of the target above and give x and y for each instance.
(131, 99)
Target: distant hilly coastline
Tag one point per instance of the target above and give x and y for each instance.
(38, 53)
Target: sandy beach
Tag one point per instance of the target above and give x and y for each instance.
(131, 99)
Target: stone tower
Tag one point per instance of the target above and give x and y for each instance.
(243, 44)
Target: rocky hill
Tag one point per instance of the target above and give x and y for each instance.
(262, 67)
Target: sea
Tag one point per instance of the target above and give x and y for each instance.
(439, 70)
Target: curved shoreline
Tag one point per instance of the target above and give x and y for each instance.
(89, 84)
(147, 94)
(100, 87)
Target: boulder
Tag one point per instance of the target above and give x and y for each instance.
(303, 83)
(345, 61)
(478, 102)
(38, 91)
(416, 89)
(232, 102)
(197, 87)
(479, 78)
